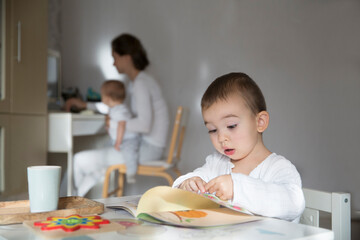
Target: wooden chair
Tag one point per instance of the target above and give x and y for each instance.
(156, 168)
(336, 203)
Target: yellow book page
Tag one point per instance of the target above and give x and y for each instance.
(164, 198)
(203, 217)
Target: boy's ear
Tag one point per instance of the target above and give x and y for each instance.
(262, 121)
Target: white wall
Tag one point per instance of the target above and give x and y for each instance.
(304, 54)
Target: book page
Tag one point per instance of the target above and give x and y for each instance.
(173, 206)
(199, 217)
(164, 198)
(225, 203)
(130, 205)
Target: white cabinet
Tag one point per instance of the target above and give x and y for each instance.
(63, 127)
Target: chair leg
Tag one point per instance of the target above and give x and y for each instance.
(177, 171)
(120, 188)
(105, 193)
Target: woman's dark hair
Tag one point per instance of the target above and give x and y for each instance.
(127, 44)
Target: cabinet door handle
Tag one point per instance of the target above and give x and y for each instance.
(18, 57)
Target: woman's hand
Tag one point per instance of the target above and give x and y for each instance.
(222, 186)
(74, 102)
(193, 184)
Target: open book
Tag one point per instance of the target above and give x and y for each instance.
(172, 206)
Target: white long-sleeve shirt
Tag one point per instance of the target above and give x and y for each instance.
(149, 108)
(272, 189)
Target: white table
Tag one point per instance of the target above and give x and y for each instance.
(63, 127)
(267, 229)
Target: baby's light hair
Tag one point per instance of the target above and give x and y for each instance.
(114, 89)
(234, 83)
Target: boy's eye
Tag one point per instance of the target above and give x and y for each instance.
(212, 131)
(232, 126)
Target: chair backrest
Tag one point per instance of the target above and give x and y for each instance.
(177, 136)
(336, 203)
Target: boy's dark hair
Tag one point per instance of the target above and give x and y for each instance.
(127, 44)
(114, 89)
(234, 83)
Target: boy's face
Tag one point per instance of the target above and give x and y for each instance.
(233, 128)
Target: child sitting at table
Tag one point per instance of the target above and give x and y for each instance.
(243, 170)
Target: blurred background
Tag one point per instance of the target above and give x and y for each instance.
(304, 55)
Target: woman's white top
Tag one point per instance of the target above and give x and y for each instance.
(148, 106)
(272, 189)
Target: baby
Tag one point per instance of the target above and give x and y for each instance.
(113, 95)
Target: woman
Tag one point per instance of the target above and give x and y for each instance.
(147, 104)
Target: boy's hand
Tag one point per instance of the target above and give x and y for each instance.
(222, 185)
(193, 184)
